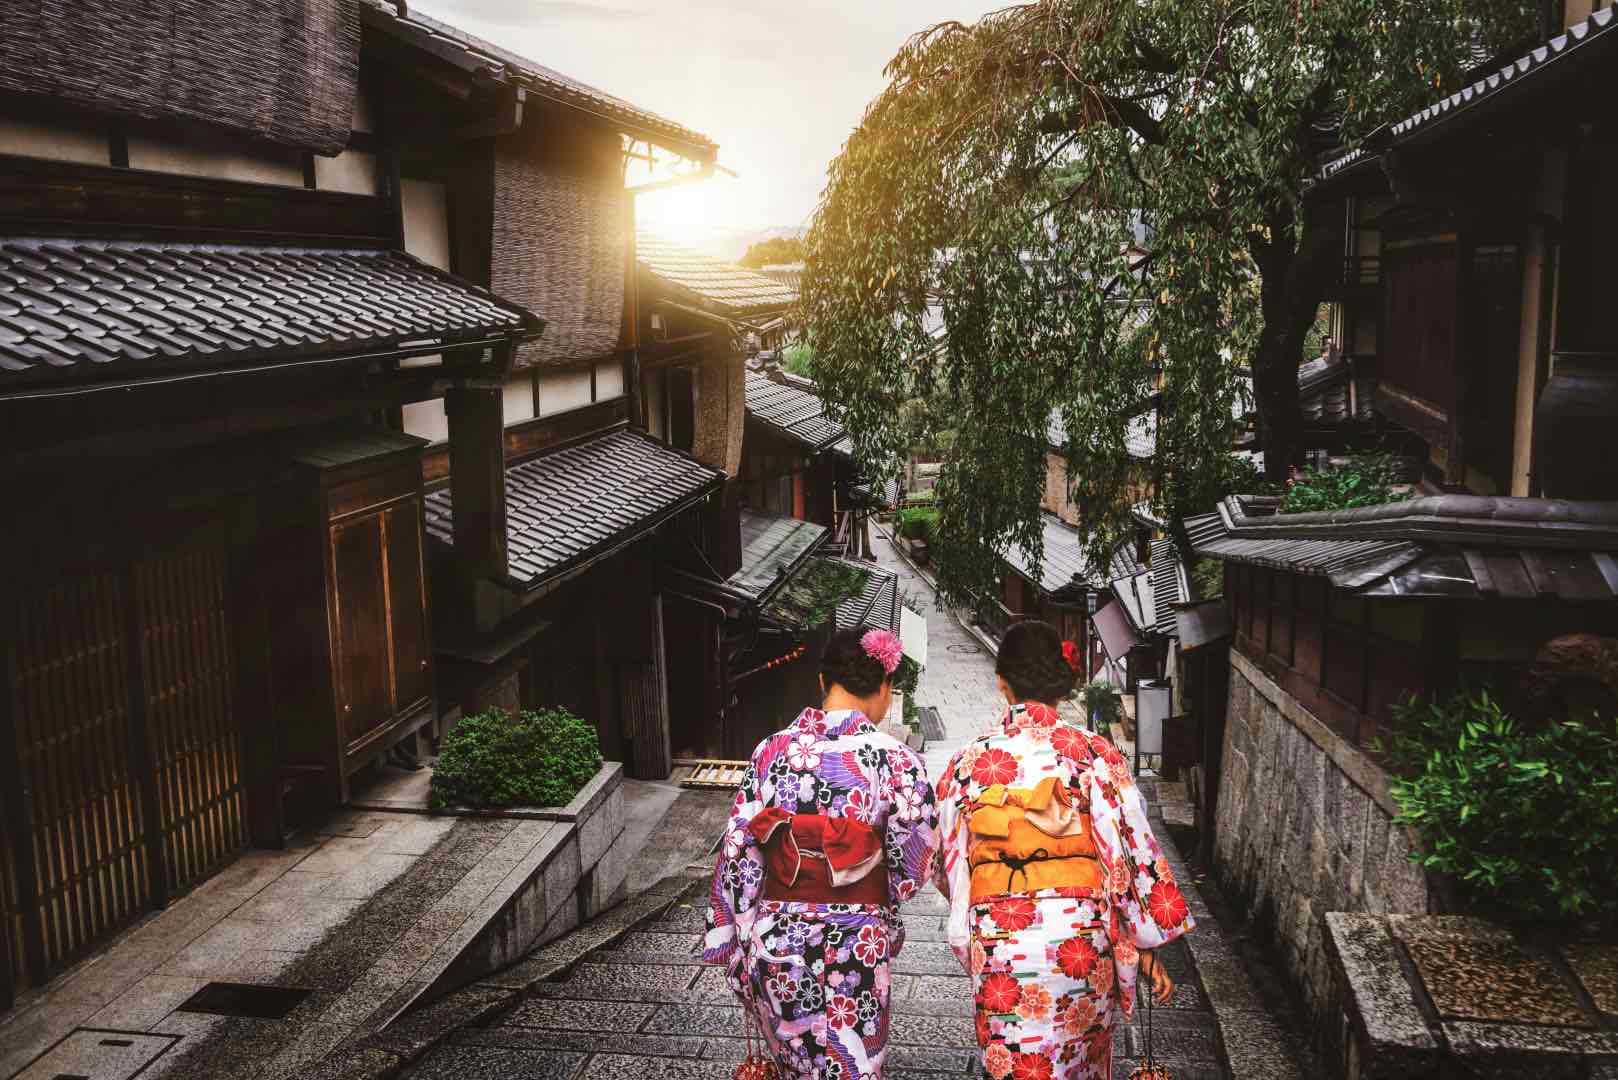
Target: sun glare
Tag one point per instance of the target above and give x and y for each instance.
(690, 214)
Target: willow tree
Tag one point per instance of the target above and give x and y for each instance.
(1072, 205)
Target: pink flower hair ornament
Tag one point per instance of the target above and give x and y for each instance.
(883, 647)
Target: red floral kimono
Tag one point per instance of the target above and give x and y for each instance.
(1050, 960)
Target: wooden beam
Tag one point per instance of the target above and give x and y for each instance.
(476, 410)
(56, 198)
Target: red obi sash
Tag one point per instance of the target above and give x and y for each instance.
(820, 860)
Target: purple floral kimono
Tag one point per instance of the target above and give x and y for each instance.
(814, 974)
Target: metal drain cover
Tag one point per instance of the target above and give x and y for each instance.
(244, 999)
(932, 724)
(88, 1054)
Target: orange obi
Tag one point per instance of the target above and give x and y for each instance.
(820, 860)
(1025, 840)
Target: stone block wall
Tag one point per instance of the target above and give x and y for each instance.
(1304, 827)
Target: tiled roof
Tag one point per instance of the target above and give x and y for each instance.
(876, 605)
(709, 282)
(884, 496)
(83, 309)
(1581, 44)
(798, 414)
(472, 53)
(771, 547)
(1446, 545)
(1169, 586)
(585, 501)
(1323, 391)
(1135, 594)
(1064, 564)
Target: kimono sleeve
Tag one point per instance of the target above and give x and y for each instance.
(911, 835)
(738, 876)
(1152, 912)
(953, 873)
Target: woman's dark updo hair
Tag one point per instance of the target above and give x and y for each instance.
(846, 664)
(1032, 663)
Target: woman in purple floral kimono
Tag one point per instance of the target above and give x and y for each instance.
(833, 827)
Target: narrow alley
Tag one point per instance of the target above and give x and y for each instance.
(643, 1005)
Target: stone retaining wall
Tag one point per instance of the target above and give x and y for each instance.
(1304, 827)
(1450, 996)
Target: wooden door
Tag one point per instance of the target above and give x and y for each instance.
(407, 607)
(360, 601)
(120, 750)
(193, 742)
(81, 852)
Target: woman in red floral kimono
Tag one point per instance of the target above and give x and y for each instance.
(833, 827)
(1045, 912)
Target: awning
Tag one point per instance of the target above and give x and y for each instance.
(586, 501)
(75, 310)
(772, 547)
(1117, 637)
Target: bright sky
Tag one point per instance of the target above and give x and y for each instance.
(778, 84)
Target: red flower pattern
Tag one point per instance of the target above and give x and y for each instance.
(994, 766)
(1166, 904)
(1030, 1067)
(1013, 914)
(1076, 957)
(1069, 742)
(999, 993)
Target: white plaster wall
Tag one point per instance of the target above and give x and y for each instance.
(353, 171)
(609, 380)
(364, 118)
(55, 140)
(563, 390)
(221, 159)
(427, 420)
(656, 422)
(519, 399)
(426, 221)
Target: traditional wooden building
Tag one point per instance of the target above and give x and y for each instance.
(1496, 347)
(250, 360)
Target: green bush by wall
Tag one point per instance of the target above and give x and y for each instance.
(1524, 819)
(495, 759)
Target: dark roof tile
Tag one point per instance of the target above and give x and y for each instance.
(584, 501)
(710, 282)
(1065, 561)
(797, 413)
(79, 307)
(436, 36)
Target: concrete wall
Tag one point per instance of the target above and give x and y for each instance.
(1304, 827)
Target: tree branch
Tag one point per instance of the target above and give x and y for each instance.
(1119, 112)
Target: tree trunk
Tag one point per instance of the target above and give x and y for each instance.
(1292, 284)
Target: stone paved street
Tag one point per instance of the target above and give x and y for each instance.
(644, 1005)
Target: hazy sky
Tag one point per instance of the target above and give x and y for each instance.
(777, 83)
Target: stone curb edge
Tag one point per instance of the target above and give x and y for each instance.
(1251, 1041)
(385, 1054)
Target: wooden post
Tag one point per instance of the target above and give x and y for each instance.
(646, 704)
(477, 463)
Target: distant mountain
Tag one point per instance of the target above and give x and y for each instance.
(731, 243)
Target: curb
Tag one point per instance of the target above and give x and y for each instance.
(385, 1054)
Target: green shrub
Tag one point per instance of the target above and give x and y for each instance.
(918, 523)
(495, 759)
(799, 359)
(1102, 706)
(1363, 480)
(1208, 578)
(1524, 819)
(905, 681)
